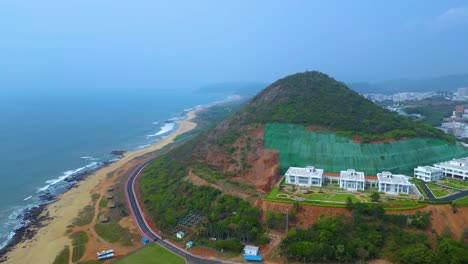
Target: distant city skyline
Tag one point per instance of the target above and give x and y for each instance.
(183, 45)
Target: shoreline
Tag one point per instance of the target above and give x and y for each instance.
(45, 236)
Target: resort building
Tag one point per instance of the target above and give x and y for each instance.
(393, 183)
(308, 176)
(352, 180)
(428, 173)
(456, 168)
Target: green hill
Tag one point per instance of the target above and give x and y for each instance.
(299, 147)
(313, 98)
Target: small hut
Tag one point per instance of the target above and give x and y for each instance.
(110, 189)
(109, 196)
(110, 205)
(103, 219)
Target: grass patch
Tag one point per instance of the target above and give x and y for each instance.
(461, 202)
(95, 196)
(151, 253)
(112, 232)
(103, 203)
(342, 197)
(420, 189)
(273, 193)
(85, 216)
(338, 200)
(438, 191)
(455, 184)
(208, 174)
(79, 240)
(63, 257)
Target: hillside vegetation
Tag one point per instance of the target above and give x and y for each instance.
(189, 178)
(368, 234)
(299, 147)
(313, 98)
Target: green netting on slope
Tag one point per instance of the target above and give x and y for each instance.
(333, 153)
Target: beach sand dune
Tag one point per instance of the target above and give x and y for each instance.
(51, 239)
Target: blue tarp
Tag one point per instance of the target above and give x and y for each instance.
(253, 258)
(145, 240)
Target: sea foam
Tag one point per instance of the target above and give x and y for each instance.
(67, 174)
(164, 129)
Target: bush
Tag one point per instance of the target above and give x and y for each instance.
(232, 245)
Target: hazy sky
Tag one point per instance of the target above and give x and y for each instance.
(89, 44)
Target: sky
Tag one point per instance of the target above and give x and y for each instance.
(107, 45)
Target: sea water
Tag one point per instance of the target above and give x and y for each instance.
(46, 137)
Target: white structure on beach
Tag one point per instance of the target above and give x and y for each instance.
(393, 183)
(428, 173)
(352, 180)
(456, 168)
(308, 176)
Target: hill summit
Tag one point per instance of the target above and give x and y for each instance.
(276, 129)
(314, 98)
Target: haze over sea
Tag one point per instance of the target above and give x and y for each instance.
(46, 137)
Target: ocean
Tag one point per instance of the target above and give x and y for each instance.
(46, 137)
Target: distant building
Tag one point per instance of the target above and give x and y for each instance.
(462, 92)
(456, 168)
(181, 234)
(189, 244)
(393, 183)
(458, 129)
(308, 176)
(352, 180)
(251, 253)
(428, 173)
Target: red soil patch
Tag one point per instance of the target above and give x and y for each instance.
(263, 165)
(307, 214)
(455, 218)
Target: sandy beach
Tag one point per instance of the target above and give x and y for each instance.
(51, 239)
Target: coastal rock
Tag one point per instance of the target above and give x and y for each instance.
(118, 152)
(35, 220)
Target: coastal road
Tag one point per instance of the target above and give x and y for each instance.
(145, 229)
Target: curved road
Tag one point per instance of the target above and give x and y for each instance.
(145, 229)
(447, 198)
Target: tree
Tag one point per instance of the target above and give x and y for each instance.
(339, 252)
(349, 203)
(375, 197)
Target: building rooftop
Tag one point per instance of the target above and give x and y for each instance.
(455, 163)
(428, 169)
(388, 177)
(352, 175)
(253, 248)
(308, 171)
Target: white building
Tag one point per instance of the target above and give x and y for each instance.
(456, 168)
(428, 173)
(352, 180)
(181, 234)
(250, 250)
(393, 183)
(308, 176)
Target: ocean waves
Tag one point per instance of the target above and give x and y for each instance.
(166, 128)
(65, 175)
